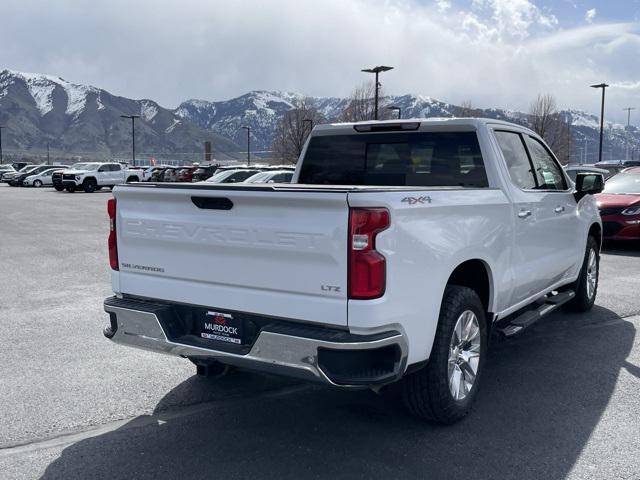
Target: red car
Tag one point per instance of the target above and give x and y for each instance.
(185, 174)
(619, 205)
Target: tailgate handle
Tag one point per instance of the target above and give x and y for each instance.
(212, 203)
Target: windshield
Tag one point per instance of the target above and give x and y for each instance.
(623, 183)
(259, 177)
(218, 177)
(83, 166)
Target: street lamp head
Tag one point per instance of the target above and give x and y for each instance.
(129, 116)
(379, 69)
(246, 128)
(599, 85)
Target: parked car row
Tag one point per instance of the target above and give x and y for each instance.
(218, 174)
(92, 176)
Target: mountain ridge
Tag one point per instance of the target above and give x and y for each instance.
(75, 119)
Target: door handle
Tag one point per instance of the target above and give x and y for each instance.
(524, 213)
(559, 209)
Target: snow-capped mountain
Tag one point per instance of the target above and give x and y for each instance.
(262, 110)
(84, 120)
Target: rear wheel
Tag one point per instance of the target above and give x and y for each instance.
(89, 185)
(70, 189)
(444, 390)
(586, 286)
(58, 188)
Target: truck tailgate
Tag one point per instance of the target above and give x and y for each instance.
(277, 253)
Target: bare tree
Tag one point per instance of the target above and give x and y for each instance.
(293, 130)
(467, 110)
(361, 105)
(542, 112)
(546, 121)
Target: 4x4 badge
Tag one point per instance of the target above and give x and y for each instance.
(416, 200)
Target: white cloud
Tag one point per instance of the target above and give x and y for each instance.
(627, 85)
(590, 15)
(443, 5)
(510, 19)
(494, 52)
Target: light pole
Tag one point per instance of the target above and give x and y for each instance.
(377, 71)
(310, 122)
(398, 109)
(248, 129)
(1, 127)
(603, 86)
(628, 109)
(568, 142)
(133, 136)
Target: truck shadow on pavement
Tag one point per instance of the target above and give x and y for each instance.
(542, 396)
(623, 249)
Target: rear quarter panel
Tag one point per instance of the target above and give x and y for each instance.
(423, 246)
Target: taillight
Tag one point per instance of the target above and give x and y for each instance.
(113, 244)
(367, 267)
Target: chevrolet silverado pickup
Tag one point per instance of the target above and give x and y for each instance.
(399, 249)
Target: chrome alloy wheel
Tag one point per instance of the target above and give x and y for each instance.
(464, 355)
(592, 274)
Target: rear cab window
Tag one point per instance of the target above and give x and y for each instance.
(430, 159)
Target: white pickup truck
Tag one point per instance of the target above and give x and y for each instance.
(396, 252)
(92, 176)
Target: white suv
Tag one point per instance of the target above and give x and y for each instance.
(94, 176)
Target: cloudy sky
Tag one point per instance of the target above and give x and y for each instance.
(493, 52)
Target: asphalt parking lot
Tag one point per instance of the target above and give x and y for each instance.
(561, 401)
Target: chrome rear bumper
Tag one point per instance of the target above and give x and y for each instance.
(287, 351)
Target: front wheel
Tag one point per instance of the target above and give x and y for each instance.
(37, 183)
(70, 189)
(586, 286)
(444, 390)
(89, 185)
(58, 188)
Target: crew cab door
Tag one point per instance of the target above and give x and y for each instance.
(116, 175)
(543, 251)
(557, 208)
(103, 174)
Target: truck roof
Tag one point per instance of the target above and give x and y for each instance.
(423, 124)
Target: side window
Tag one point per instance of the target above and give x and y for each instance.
(517, 159)
(548, 172)
(115, 167)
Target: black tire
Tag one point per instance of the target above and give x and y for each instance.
(70, 189)
(586, 295)
(89, 185)
(426, 393)
(132, 179)
(37, 183)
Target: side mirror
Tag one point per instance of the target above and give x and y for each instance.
(588, 184)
